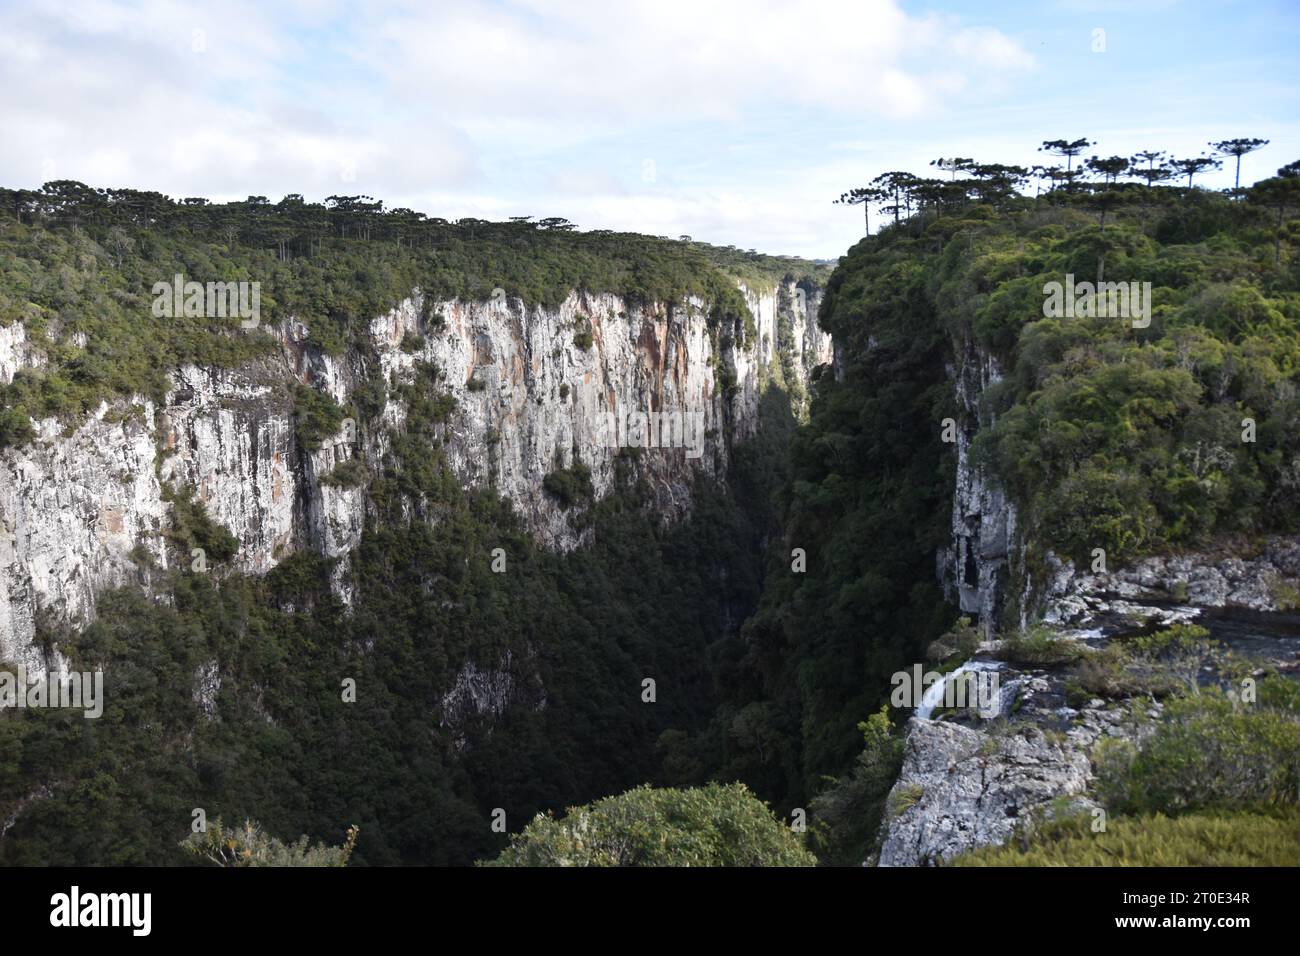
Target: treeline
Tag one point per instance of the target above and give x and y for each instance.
(900, 194)
(293, 226)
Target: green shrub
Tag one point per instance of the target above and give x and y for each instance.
(351, 473)
(317, 417)
(715, 825)
(570, 486)
(1209, 751)
(1167, 662)
(959, 643)
(15, 427)
(249, 845)
(192, 527)
(1041, 647)
(905, 798)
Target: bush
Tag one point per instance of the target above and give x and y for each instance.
(1209, 751)
(1162, 664)
(317, 417)
(192, 527)
(15, 428)
(1040, 647)
(715, 825)
(351, 473)
(570, 486)
(959, 643)
(249, 845)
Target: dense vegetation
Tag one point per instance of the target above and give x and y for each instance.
(249, 845)
(1129, 434)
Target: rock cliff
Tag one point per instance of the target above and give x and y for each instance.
(85, 506)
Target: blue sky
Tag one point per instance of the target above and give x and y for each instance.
(734, 121)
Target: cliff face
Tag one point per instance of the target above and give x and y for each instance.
(84, 508)
(969, 781)
(974, 569)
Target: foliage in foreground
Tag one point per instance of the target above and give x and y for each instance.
(847, 815)
(250, 845)
(716, 825)
(1210, 751)
(1201, 839)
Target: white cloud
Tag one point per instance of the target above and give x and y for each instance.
(640, 60)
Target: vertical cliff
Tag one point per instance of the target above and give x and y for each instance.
(975, 567)
(85, 506)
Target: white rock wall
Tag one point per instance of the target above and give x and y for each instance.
(74, 505)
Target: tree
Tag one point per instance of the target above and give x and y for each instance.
(557, 224)
(1108, 169)
(847, 815)
(249, 845)
(896, 185)
(1281, 192)
(714, 825)
(994, 182)
(1237, 148)
(1193, 166)
(1151, 172)
(863, 197)
(1067, 148)
(1038, 173)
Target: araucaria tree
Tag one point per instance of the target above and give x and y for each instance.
(1067, 148)
(1237, 148)
(1155, 169)
(863, 197)
(1193, 166)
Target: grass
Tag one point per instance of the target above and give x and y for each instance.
(1039, 647)
(1200, 839)
(905, 798)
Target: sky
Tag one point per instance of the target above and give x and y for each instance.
(734, 121)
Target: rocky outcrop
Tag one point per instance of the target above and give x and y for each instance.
(967, 785)
(1266, 581)
(16, 353)
(86, 507)
(485, 693)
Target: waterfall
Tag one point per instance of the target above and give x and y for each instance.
(934, 694)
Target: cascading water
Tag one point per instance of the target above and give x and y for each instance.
(934, 694)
